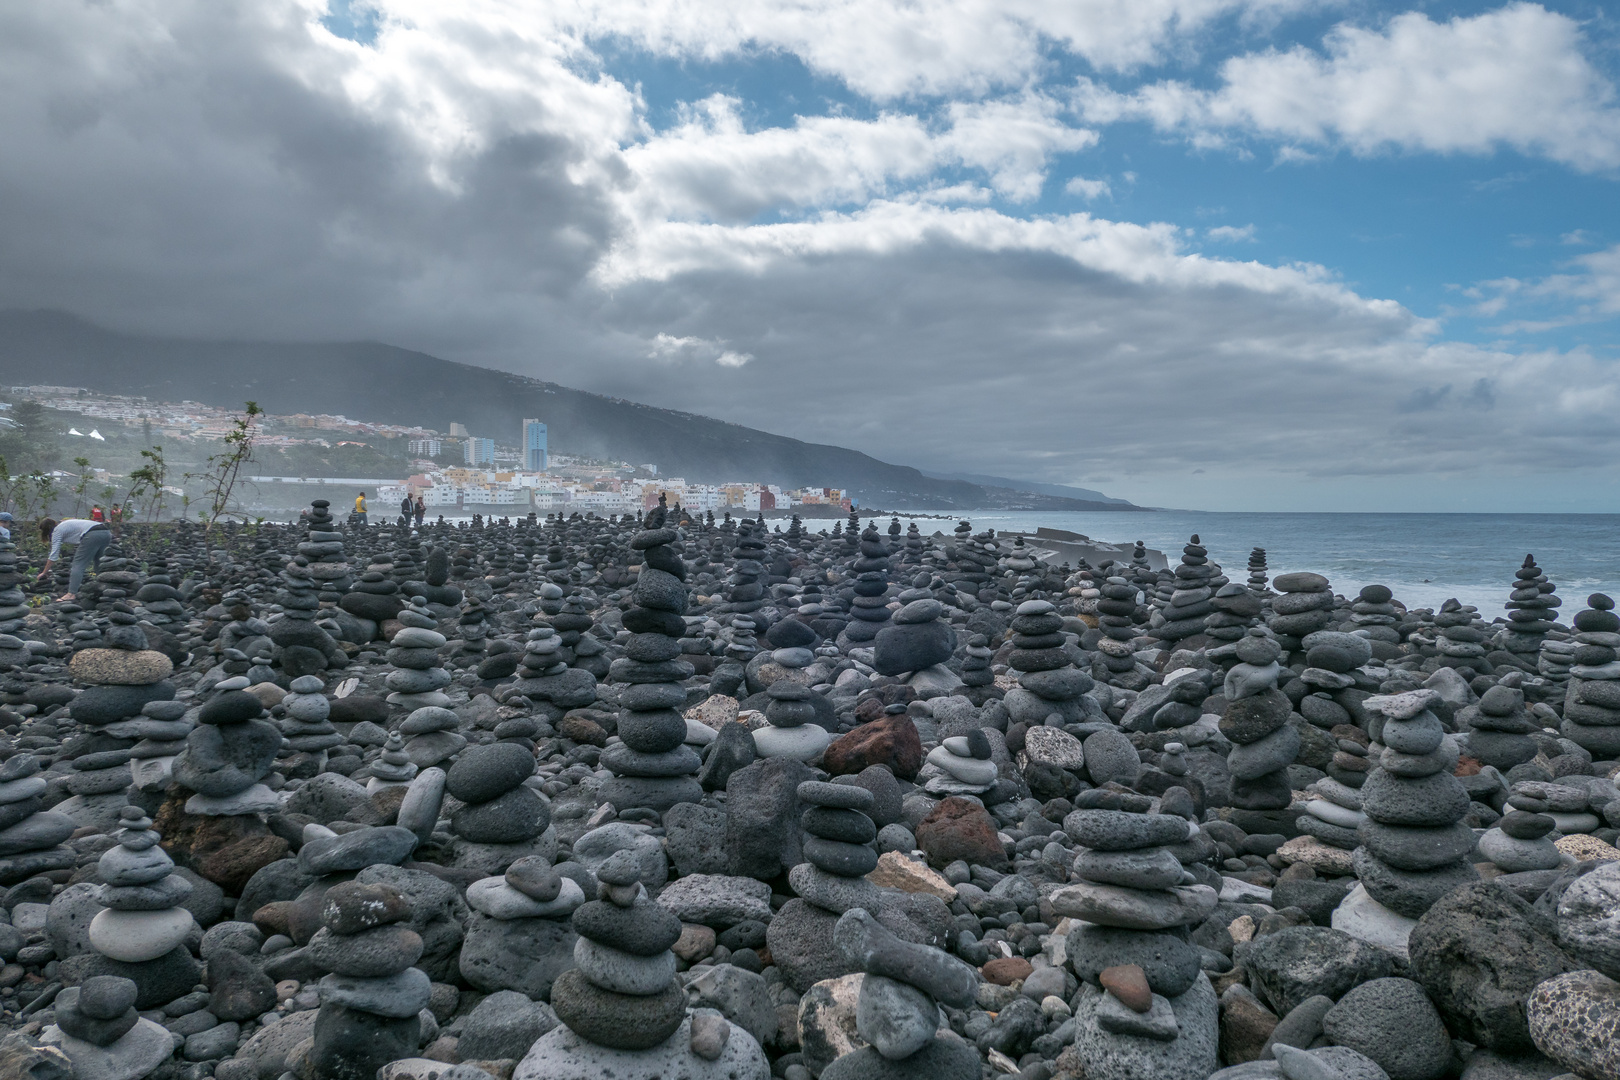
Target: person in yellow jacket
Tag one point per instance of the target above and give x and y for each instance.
(360, 508)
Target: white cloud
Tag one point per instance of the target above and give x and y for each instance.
(1088, 189)
(1587, 292)
(1231, 234)
(1516, 77)
(668, 347)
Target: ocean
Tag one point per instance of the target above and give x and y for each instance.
(1425, 558)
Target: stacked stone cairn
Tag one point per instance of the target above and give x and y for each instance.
(417, 679)
(501, 819)
(1305, 606)
(1145, 1008)
(1592, 706)
(1530, 608)
(623, 1013)
(868, 610)
(1414, 847)
(97, 1027)
(959, 765)
(524, 911)
(1499, 726)
(372, 1001)
(140, 934)
(790, 729)
(1048, 682)
(977, 676)
(31, 837)
(306, 726)
(122, 677)
(1459, 641)
(393, 766)
(652, 766)
(1257, 573)
(897, 1012)
(323, 547)
(13, 601)
(227, 758)
(1189, 606)
(306, 649)
(746, 593)
(1264, 743)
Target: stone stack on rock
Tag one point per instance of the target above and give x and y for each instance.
(897, 1012)
(959, 765)
(323, 547)
(97, 1027)
(916, 638)
(122, 676)
(1592, 703)
(790, 729)
(1189, 607)
(1530, 610)
(1414, 846)
(1305, 606)
(501, 818)
(1116, 612)
(1520, 842)
(1145, 1007)
(1375, 617)
(13, 601)
(519, 937)
(652, 766)
(31, 837)
(623, 1013)
(1048, 683)
(306, 726)
(1264, 744)
(746, 593)
(869, 609)
(227, 758)
(1499, 726)
(1236, 609)
(1257, 573)
(417, 680)
(977, 676)
(141, 932)
(306, 649)
(393, 766)
(1459, 641)
(371, 1003)
(375, 596)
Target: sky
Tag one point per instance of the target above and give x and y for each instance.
(1210, 254)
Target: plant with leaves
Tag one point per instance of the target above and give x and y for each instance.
(225, 468)
(146, 486)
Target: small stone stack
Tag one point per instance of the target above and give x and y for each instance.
(1145, 1008)
(13, 601)
(393, 767)
(1414, 846)
(328, 566)
(1048, 683)
(1264, 744)
(305, 648)
(1499, 727)
(1257, 573)
(31, 837)
(122, 676)
(623, 1012)
(372, 1000)
(869, 610)
(523, 912)
(746, 593)
(917, 638)
(897, 1013)
(1305, 606)
(502, 819)
(1189, 607)
(375, 597)
(1460, 642)
(1116, 614)
(976, 674)
(1236, 609)
(652, 766)
(1592, 702)
(417, 680)
(1519, 842)
(1530, 610)
(1375, 615)
(959, 765)
(99, 1030)
(227, 757)
(306, 727)
(838, 848)
(143, 927)
(790, 728)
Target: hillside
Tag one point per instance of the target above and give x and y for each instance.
(386, 384)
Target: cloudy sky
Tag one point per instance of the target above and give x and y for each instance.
(1221, 254)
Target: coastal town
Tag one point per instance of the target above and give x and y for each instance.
(453, 471)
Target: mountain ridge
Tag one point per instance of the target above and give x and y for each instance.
(388, 384)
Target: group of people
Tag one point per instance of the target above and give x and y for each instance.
(409, 509)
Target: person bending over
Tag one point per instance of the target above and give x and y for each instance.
(88, 540)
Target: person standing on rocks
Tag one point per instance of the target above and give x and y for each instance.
(88, 539)
(360, 509)
(406, 508)
(420, 509)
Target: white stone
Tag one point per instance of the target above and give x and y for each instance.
(134, 936)
(137, 1052)
(1334, 814)
(967, 770)
(1365, 919)
(699, 734)
(805, 742)
(495, 898)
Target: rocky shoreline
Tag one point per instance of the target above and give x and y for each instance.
(599, 798)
